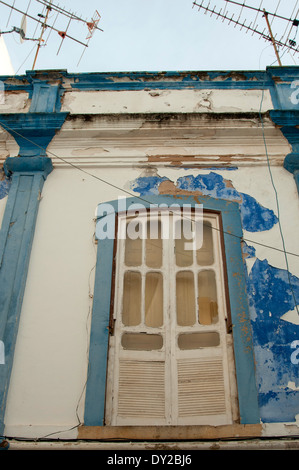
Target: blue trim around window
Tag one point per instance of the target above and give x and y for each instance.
(243, 348)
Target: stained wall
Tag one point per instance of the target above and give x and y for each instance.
(150, 134)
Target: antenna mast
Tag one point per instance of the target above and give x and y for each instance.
(45, 23)
(272, 38)
(42, 33)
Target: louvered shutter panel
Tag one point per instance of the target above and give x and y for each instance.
(201, 388)
(141, 389)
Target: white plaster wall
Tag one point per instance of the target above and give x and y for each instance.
(50, 367)
(264, 185)
(14, 102)
(150, 101)
(50, 364)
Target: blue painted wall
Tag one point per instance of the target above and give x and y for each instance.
(269, 297)
(255, 217)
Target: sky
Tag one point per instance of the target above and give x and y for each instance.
(147, 35)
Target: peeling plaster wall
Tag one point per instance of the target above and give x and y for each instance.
(51, 360)
(15, 102)
(156, 100)
(144, 157)
(271, 291)
(52, 380)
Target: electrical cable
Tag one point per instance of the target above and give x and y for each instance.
(25, 59)
(278, 207)
(6, 127)
(138, 197)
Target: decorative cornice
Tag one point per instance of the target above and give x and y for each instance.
(285, 118)
(32, 131)
(277, 79)
(289, 126)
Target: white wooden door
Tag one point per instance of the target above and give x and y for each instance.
(168, 355)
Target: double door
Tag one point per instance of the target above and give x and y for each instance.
(170, 360)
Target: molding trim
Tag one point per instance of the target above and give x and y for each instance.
(244, 359)
(28, 165)
(33, 131)
(288, 121)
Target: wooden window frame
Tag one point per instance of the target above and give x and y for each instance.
(237, 308)
(176, 411)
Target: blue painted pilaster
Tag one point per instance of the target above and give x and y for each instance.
(16, 238)
(288, 121)
(33, 132)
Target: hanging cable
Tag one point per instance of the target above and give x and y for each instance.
(25, 59)
(6, 127)
(278, 207)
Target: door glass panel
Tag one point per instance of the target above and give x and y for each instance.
(205, 255)
(141, 341)
(154, 299)
(207, 298)
(198, 340)
(131, 313)
(183, 257)
(185, 298)
(133, 250)
(153, 244)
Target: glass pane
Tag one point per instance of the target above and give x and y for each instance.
(198, 340)
(154, 300)
(207, 298)
(153, 246)
(183, 257)
(133, 250)
(185, 298)
(205, 255)
(141, 341)
(131, 314)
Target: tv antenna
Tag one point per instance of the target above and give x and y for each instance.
(289, 24)
(44, 20)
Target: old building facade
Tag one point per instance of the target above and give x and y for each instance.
(107, 337)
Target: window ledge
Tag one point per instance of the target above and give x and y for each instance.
(184, 433)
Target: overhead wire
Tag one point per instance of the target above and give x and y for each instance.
(143, 199)
(296, 306)
(25, 60)
(9, 129)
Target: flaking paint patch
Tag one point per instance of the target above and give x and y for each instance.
(248, 250)
(270, 298)
(255, 217)
(269, 293)
(147, 185)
